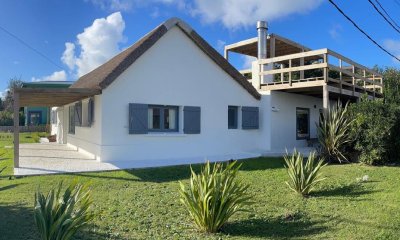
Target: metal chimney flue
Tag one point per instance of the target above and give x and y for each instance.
(262, 29)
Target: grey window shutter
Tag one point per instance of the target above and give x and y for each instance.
(138, 118)
(90, 111)
(250, 118)
(191, 120)
(78, 114)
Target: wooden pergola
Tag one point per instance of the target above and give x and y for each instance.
(277, 46)
(44, 97)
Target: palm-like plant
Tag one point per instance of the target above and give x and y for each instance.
(214, 195)
(333, 133)
(303, 175)
(59, 217)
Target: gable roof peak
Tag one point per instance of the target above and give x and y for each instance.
(101, 77)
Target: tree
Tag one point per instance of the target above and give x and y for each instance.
(391, 81)
(13, 83)
(6, 104)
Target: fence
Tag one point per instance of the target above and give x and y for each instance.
(40, 128)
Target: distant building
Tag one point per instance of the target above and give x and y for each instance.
(38, 115)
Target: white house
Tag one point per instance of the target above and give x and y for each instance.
(171, 98)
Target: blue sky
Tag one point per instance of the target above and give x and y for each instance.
(78, 35)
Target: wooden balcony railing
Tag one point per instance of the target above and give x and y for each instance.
(321, 65)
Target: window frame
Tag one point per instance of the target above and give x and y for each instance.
(236, 119)
(30, 113)
(162, 110)
(78, 108)
(71, 119)
(308, 123)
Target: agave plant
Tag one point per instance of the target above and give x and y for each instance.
(214, 195)
(333, 133)
(303, 175)
(59, 217)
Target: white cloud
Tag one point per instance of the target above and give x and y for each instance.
(113, 5)
(393, 46)
(244, 13)
(231, 13)
(97, 44)
(220, 44)
(247, 61)
(128, 5)
(56, 76)
(335, 31)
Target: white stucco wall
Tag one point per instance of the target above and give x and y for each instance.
(283, 118)
(87, 139)
(59, 128)
(175, 72)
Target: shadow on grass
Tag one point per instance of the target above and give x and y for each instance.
(276, 228)
(176, 173)
(17, 223)
(158, 175)
(91, 232)
(262, 163)
(9, 187)
(352, 190)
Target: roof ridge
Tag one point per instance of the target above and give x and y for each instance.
(102, 76)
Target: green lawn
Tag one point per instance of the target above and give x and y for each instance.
(6, 149)
(144, 204)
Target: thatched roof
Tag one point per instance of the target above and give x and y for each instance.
(104, 75)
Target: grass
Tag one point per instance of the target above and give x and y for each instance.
(6, 149)
(144, 204)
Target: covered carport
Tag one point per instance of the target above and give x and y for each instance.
(45, 97)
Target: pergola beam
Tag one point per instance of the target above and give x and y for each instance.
(46, 97)
(53, 97)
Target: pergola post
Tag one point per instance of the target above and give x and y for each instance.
(325, 98)
(16, 129)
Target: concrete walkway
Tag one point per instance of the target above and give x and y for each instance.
(50, 158)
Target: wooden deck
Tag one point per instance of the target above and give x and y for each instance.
(309, 71)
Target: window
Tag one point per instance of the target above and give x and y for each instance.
(250, 117)
(34, 118)
(321, 117)
(78, 114)
(71, 124)
(302, 123)
(162, 118)
(90, 117)
(232, 117)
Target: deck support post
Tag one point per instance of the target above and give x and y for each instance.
(302, 64)
(325, 98)
(326, 71)
(290, 73)
(341, 75)
(226, 54)
(373, 80)
(353, 69)
(16, 129)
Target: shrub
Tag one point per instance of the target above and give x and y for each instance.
(376, 131)
(303, 175)
(59, 217)
(333, 133)
(214, 195)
